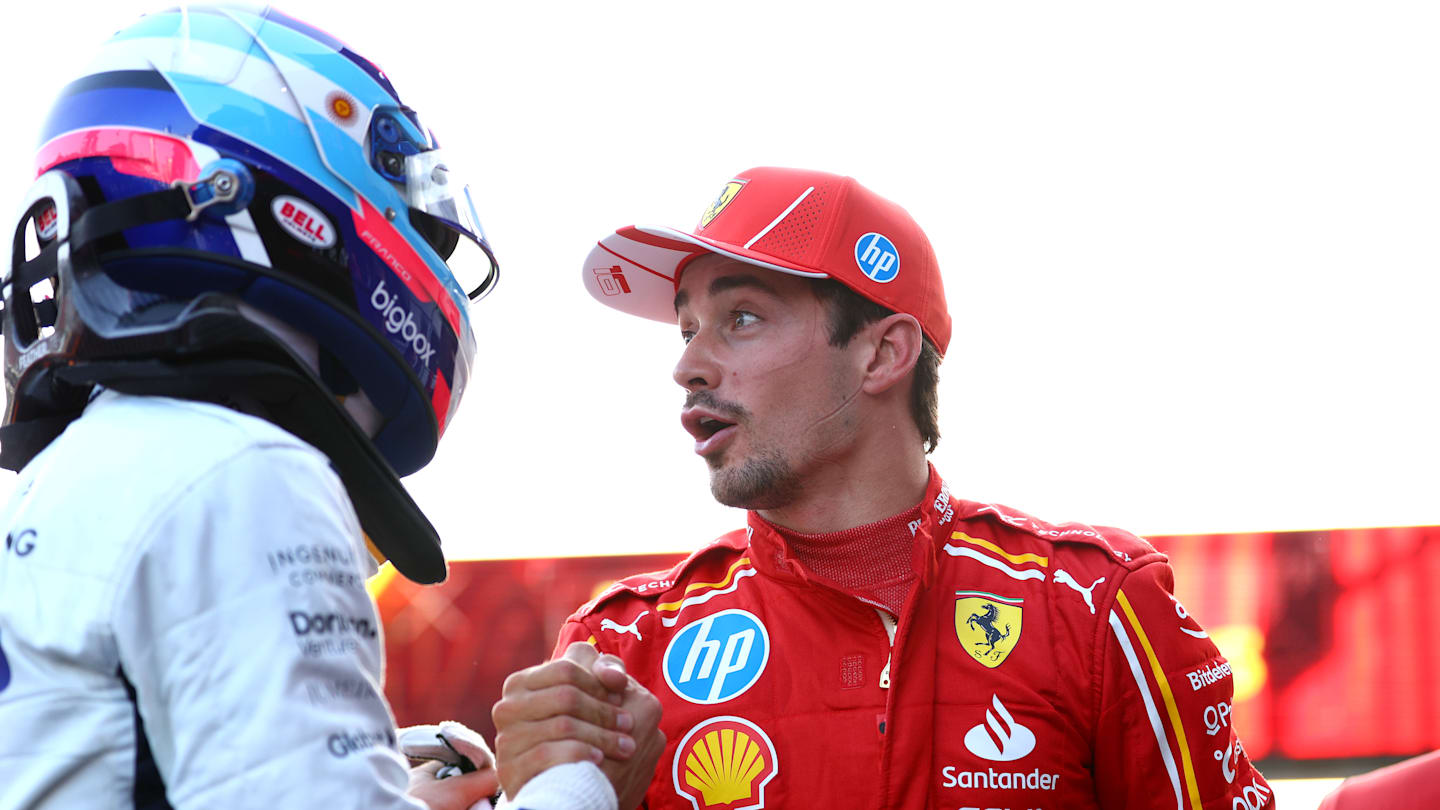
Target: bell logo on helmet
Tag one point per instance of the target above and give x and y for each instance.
(46, 222)
(400, 321)
(877, 257)
(303, 221)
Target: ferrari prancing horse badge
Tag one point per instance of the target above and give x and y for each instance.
(987, 625)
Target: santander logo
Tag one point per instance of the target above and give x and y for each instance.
(999, 738)
(303, 221)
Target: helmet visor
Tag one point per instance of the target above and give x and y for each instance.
(449, 221)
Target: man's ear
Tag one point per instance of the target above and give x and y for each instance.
(895, 341)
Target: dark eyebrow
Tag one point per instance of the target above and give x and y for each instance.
(723, 283)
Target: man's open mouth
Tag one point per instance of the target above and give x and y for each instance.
(702, 424)
(709, 427)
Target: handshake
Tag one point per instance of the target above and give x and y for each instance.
(579, 708)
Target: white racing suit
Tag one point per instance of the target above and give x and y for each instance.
(183, 618)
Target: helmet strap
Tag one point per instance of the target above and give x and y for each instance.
(273, 386)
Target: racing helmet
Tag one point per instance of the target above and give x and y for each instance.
(219, 160)
(223, 149)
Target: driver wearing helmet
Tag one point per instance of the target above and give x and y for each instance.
(236, 311)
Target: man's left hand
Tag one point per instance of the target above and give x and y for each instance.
(458, 792)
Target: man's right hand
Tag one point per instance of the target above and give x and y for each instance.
(579, 707)
(632, 777)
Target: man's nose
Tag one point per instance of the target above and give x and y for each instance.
(696, 370)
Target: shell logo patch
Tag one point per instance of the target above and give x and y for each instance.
(727, 195)
(988, 625)
(725, 762)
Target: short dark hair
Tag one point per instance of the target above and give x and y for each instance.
(849, 311)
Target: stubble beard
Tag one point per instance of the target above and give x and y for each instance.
(764, 481)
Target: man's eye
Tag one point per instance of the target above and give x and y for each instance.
(742, 318)
(687, 335)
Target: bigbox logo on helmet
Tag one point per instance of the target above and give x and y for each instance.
(400, 321)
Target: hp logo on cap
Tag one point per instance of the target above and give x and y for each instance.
(877, 257)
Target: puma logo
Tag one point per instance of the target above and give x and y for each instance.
(633, 627)
(1063, 577)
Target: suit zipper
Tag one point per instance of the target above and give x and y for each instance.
(889, 622)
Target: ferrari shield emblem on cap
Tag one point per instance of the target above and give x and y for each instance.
(726, 195)
(987, 625)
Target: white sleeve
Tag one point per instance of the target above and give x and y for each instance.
(573, 786)
(254, 648)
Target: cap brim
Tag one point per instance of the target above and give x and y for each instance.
(636, 269)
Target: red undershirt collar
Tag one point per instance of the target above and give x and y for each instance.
(877, 562)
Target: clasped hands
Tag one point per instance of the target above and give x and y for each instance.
(579, 707)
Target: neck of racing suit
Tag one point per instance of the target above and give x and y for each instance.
(877, 563)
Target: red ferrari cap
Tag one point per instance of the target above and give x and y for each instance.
(795, 221)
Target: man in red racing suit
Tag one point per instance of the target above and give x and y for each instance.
(870, 640)
(1035, 665)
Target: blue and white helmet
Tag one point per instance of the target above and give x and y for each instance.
(225, 149)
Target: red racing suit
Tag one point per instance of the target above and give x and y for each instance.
(1033, 666)
(1409, 785)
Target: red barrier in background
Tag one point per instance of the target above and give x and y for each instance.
(448, 647)
(1334, 636)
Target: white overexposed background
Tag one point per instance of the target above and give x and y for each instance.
(1191, 248)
